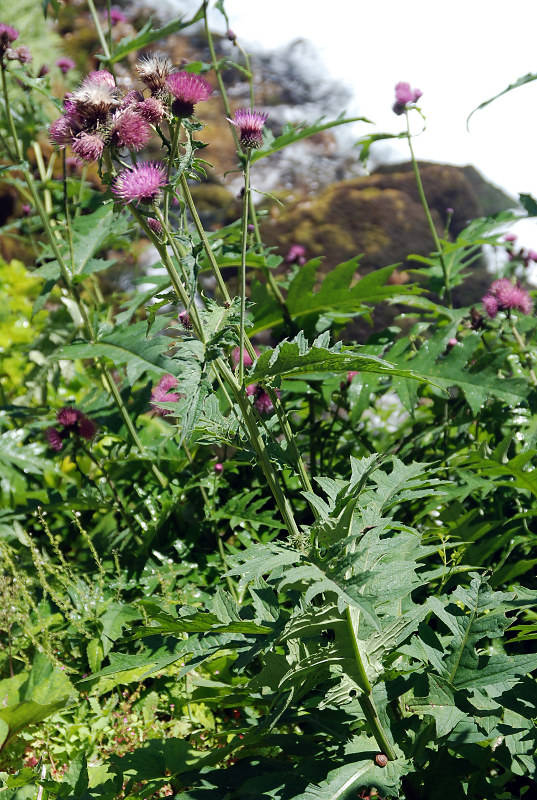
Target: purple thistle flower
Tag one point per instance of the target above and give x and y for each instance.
(404, 96)
(68, 416)
(88, 147)
(184, 319)
(250, 123)
(246, 357)
(140, 184)
(86, 427)
(296, 254)
(55, 438)
(43, 70)
(218, 468)
(161, 394)
(130, 129)
(116, 15)
(100, 77)
(7, 35)
(26, 210)
(262, 401)
(151, 109)
(187, 89)
(65, 64)
(510, 237)
(505, 296)
(61, 131)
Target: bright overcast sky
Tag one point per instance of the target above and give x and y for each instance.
(458, 53)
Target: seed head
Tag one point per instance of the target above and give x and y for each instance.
(250, 124)
(187, 89)
(154, 71)
(140, 184)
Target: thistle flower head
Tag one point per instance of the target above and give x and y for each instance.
(218, 468)
(65, 64)
(62, 131)
(21, 54)
(404, 96)
(151, 109)
(100, 77)
(88, 147)
(116, 15)
(68, 416)
(7, 35)
(95, 100)
(505, 296)
(162, 394)
(154, 71)
(184, 319)
(140, 184)
(130, 129)
(246, 357)
(250, 124)
(262, 402)
(73, 421)
(296, 254)
(55, 439)
(155, 226)
(187, 89)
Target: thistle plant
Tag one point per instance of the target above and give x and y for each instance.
(328, 597)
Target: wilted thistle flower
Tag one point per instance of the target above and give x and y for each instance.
(154, 71)
(162, 394)
(140, 184)
(21, 54)
(95, 99)
(250, 124)
(130, 129)
(404, 95)
(65, 64)
(505, 296)
(187, 89)
(7, 35)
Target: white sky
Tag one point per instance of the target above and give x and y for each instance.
(459, 53)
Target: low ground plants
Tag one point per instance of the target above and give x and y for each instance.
(300, 571)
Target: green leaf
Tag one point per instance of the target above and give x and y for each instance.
(529, 203)
(520, 82)
(41, 692)
(439, 704)
(295, 133)
(336, 295)
(296, 357)
(147, 36)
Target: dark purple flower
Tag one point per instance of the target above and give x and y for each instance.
(504, 296)
(7, 35)
(43, 70)
(55, 439)
(262, 401)
(250, 124)
(65, 64)
(155, 225)
(130, 129)
(187, 89)
(161, 394)
(140, 184)
(86, 427)
(404, 96)
(68, 416)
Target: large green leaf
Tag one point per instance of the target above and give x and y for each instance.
(32, 697)
(296, 357)
(335, 295)
(531, 76)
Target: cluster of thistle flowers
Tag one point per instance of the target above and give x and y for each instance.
(504, 295)
(97, 116)
(72, 422)
(8, 35)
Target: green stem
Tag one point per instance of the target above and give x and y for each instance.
(98, 28)
(521, 344)
(366, 699)
(428, 217)
(218, 73)
(242, 268)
